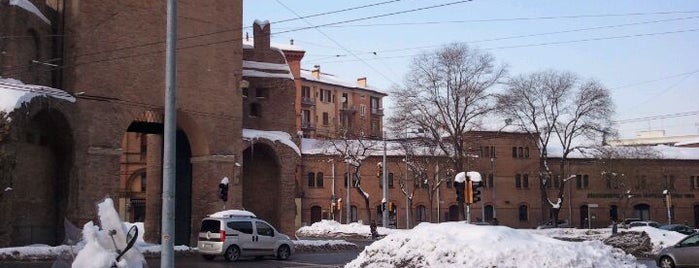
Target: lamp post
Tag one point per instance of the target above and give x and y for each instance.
(385, 183)
(570, 200)
(668, 203)
(333, 198)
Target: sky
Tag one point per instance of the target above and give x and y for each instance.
(643, 51)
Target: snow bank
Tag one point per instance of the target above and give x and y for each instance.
(329, 228)
(456, 244)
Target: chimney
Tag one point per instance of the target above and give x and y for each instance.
(260, 33)
(361, 82)
(316, 71)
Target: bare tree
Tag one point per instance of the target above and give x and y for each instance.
(446, 93)
(556, 105)
(423, 161)
(354, 151)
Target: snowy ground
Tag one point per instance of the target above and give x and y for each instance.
(452, 244)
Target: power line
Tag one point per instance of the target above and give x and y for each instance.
(551, 43)
(338, 44)
(517, 19)
(656, 117)
(334, 12)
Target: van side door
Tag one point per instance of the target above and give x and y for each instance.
(267, 239)
(242, 235)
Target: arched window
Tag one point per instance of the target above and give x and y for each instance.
(488, 213)
(311, 179)
(523, 213)
(420, 213)
(319, 180)
(518, 181)
(525, 181)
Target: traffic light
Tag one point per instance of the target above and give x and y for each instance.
(459, 186)
(475, 191)
(223, 191)
(339, 204)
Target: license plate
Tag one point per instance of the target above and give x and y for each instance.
(208, 246)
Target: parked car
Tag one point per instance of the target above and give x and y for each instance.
(683, 254)
(680, 228)
(549, 224)
(626, 222)
(644, 223)
(234, 234)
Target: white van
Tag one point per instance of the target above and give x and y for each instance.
(236, 234)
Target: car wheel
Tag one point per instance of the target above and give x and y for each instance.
(232, 253)
(283, 252)
(666, 262)
(208, 257)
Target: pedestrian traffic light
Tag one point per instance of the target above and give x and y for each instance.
(475, 191)
(223, 191)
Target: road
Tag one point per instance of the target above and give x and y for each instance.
(319, 259)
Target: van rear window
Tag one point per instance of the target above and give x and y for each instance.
(213, 226)
(241, 226)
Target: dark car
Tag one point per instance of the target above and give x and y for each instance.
(683, 254)
(680, 228)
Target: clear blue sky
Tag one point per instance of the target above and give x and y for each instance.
(646, 52)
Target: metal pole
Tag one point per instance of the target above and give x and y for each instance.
(167, 257)
(407, 198)
(385, 184)
(468, 213)
(349, 187)
(334, 199)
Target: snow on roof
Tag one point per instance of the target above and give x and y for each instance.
(664, 152)
(393, 148)
(333, 80)
(266, 69)
(232, 213)
(274, 136)
(14, 93)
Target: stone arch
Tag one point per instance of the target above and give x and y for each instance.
(262, 177)
(149, 127)
(43, 147)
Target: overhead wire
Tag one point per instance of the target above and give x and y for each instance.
(338, 44)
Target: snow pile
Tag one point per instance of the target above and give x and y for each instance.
(659, 237)
(329, 228)
(99, 249)
(456, 244)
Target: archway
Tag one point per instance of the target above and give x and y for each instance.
(453, 213)
(261, 182)
(316, 214)
(44, 158)
(136, 157)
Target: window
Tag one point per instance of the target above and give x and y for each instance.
(514, 152)
(491, 180)
(362, 110)
(390, 180)
(305, 92)
(264, 229)
(319, 180)
(525, 181)
(518, 181)
(305, 117)
(311, 179)
(586, 181)
(523, 213)
(578, 181)
(245, 92)
(694, 182)
(669, 182)
(255, 109)
(325, 95)
(520, 152)
(420, 213)
(526, 152)
(326, 119)
(241, 226)
(557, 182)
(262, 93)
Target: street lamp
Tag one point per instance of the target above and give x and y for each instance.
(570, 200)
